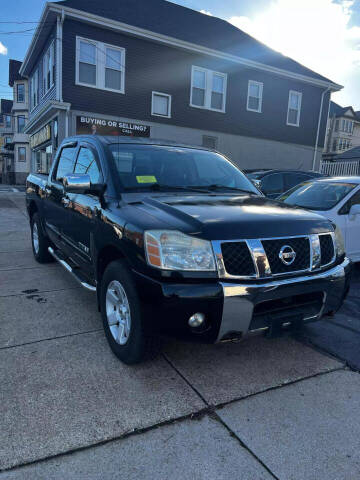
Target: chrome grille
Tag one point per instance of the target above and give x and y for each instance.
(327, 249)
(237, 258)
(301, 247)
(260, 258)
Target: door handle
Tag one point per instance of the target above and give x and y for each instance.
(65, 201)
(47, 189)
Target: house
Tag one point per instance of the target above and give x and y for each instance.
(159, 70)
(343, 130)
(6, 133)
(20, 109)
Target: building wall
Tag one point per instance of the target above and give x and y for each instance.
(154, 67)
(246, 152)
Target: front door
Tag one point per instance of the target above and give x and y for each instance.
(81, 209)
(54, 211)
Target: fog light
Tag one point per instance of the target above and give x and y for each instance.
(196, 320)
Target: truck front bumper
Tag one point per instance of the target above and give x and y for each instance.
(234, 310)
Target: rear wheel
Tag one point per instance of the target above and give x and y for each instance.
(39, 241)
(123, 316)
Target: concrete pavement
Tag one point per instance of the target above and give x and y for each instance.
(260, 409)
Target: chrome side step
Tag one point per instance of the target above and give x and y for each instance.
(67, 267)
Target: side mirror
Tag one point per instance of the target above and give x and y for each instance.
(76, 183)
(354, 210)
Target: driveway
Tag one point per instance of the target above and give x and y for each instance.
(259, 409)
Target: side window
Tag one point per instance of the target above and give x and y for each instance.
(273, 183)
(86, 163)
(293, 179)
(65, 163)
(354, 200)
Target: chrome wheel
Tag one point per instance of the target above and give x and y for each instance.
(35, 238)
(118, 312)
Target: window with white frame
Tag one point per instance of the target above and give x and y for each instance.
(48, 69)
(20, 123)
(208, 89)
(161, 104)
(344, 144)
(7, 121)
(20, 92)
(100, 65)
(347, 126)
(294, 108)
(34, 89)
(21, 154)
(254, 98)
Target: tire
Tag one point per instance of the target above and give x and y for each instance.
(120, 303)
(39, 241)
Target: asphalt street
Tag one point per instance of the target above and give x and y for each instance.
(283, 408)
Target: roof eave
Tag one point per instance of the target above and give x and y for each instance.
(82, 15)
(34, 39)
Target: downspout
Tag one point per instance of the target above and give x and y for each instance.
(59, 43)
(318, 127)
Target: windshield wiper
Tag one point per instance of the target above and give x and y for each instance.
(216, 186)
(183, 188)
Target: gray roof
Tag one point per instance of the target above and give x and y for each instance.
(167, 18)
(349, 155)
(338, 111)
(14, 67)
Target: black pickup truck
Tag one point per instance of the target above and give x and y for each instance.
(175, 239)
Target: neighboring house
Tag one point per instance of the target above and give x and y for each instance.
(160, 70)
(6, 135)
(343, 130)
(352, 158)
(20, 111)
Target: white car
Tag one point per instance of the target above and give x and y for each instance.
(336, 198)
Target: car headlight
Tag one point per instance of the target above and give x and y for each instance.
(173, 250)
(339, 242)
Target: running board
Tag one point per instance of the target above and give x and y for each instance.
(67, 267)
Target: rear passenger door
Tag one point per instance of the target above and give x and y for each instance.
(272, 185)
(81, 209)
(292, 179)
(55, 217)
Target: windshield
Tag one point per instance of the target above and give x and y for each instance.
(146, 166)
(317, 195)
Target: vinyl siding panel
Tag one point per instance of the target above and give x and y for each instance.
(156, 67)
(51, 94)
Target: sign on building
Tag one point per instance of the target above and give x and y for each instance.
(102, 126)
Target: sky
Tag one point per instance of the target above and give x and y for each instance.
(323, 35)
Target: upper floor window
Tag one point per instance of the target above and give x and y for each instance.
(254, 98)
(7, 121)
(347, 126)
(20, 92)
(100, 65)
(21, 154)
(20, 123)
(208, 89)
(34, 89)
(294, 108)
(48, 69)
(161, 104)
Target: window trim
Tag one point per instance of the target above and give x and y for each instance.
(261, 85)
(19, 148)
(51, 52)
(17, 93)
(17, 122)
(161, 94)
(100, 65)
(208, 89)
(32, 81)
(299, 111)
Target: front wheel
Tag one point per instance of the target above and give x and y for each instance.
(122, 315)
(39, 241)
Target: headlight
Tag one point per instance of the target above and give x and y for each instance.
(339, 242)
(172, 250)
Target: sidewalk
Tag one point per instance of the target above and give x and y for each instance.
(257, 410)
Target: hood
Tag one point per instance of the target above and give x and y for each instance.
(226, 217)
